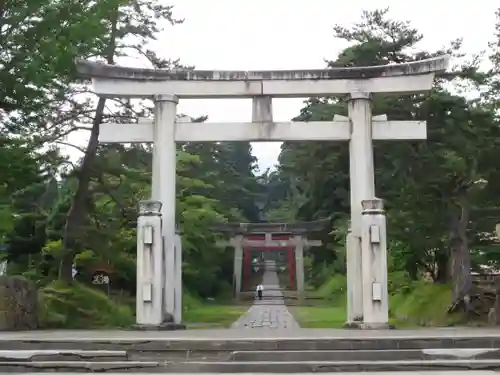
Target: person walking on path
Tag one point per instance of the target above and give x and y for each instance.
(260, 289)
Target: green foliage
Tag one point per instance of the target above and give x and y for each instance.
(55, 213)
(284, 213)
(77, 306)
(441, 195)
(411, 304)
(39, 41)
(335, 288)
(425, 304)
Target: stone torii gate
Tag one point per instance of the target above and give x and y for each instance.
(367, 289)
(271, 236)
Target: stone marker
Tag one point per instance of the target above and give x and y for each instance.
(18, 304)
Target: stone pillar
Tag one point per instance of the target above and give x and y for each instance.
(374, 251)
(299, 266)
(178, 277)
(354, 282)
(247, 267)
(362, 183)
(149, 299)
(262, 109)
(238, 265)
(163, 189)
(291, 267)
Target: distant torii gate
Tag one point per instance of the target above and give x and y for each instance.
(270, 237)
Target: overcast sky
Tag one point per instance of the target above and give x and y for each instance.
(295, 34)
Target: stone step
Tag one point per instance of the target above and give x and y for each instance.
(62, 355)
(364, 355)
(251, 367)
(246, 356)
(83, 366)
(467, 372)
(333, 366)
(189, 345)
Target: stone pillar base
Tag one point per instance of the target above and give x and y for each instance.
(353, 325)
(301, 298)
(376, 326)
(167, 326)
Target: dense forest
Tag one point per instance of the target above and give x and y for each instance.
(58, 214)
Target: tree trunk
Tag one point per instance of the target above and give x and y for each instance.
(78, 211)
(442, 259)
(460, 255)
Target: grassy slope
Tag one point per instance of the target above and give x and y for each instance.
(81, 307)
(425, 304)
(78, 306)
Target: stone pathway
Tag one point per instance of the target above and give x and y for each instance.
(271, 312)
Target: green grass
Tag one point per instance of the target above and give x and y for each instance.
(423, 304)
(213, 315)
(334, 288)
(319, 316)
(331, 313)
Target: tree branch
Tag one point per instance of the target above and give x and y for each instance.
(71, 145)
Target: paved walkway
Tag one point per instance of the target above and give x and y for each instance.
(271, 312)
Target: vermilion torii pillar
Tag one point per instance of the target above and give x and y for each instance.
(165, 88)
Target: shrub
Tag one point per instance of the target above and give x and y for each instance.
(77, 306)
(425, 305)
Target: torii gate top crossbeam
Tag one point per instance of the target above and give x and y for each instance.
(276, 228)
(113, 81)
(96, 70)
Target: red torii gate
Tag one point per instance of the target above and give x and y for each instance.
(276, 245)
(269, 237)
